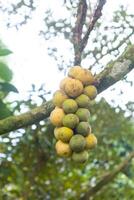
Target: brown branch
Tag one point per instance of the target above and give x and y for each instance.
(110, 75)
(108, 178)
(116, 70)
(77, 40)
(35, 115)
(77, 31)
(97, 14)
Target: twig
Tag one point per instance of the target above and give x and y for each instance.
(97, 14)
(77, 31)
(113, 49)
(114, 72)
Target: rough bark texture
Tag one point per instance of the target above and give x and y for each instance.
(77, 31)
(35, 115)
(114, 71)
(107, 178)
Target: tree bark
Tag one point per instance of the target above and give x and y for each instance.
(35, 115)
(78, 41)
(113, 72)
(116, 70)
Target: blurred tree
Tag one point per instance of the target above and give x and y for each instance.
(29, 167)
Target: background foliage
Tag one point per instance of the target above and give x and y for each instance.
(29, 167)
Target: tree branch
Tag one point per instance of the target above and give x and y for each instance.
(97, 14)
(114, 71)
(77, 31)
(108, 178)
(77, 40)
(35, 115)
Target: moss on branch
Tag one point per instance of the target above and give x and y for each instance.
(116, 70)
(35, 115)
(113, 72)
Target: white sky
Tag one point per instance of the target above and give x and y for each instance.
(30, 62)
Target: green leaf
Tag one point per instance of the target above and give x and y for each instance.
(5, 73)
(5, 52)
(4, 111)
(8, 87)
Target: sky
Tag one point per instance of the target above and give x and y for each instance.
(30, 62)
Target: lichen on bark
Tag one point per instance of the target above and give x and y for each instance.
(116, 70)
(113, 72)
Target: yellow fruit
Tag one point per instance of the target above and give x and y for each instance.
(82, 101)
(59, 97)
(84, 75)
(77, 143)
(70, 106)
(63, 82)
(80, 157)
(83, 128)
(64, 134)
(70, 120)
(56, 132)
(73, 88)
(91, 141)
(83, 114)
(56, 116)
(90, 91)
(63, 149)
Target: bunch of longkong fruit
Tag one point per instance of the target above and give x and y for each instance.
(71, 115)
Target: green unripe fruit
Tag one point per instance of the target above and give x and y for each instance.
(77, 143)
(70, 120)
(83, 114)
(69, 106)
(80, 157)
(91, 104)
(82, 101)
(83, 128)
